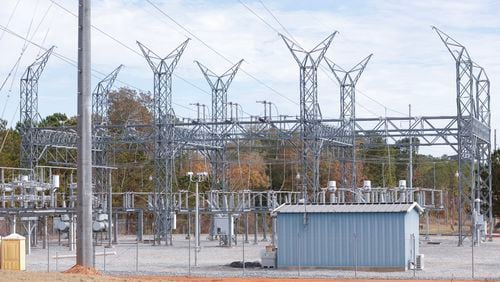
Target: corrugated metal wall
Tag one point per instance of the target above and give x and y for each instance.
(341, 239)
(412, 221)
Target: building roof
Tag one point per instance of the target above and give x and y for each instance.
(13, 236)
(349, 208)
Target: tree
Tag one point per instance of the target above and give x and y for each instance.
(9, 148)
(57, 120)
(249, 172)
(3, 124)
(378, 161)
(403, 158)
(134, 161)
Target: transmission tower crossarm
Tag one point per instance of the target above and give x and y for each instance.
(107, 82)
(100, 97)
(34, 71)
(208, 74)
(359, 68)
(457, 50)
(337, 70)
(223, 81)
(322, 47)
(478, 72)
(157, 63)
(353, 74)
(230, 73)
(293, 47)
(296, 49)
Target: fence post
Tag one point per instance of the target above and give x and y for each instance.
(48, 256)
(137, 256)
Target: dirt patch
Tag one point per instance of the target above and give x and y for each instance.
(78, 269)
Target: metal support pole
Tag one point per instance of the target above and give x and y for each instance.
(45, 232)
(264, 227)
(28, 241)
(104, 260)
(189, 243)
(140, 225)
(230, 228)
(71, 235)
(494, 140)
(84, 248)
(256, 229)
(273, 237)
(243, 243)
(426, 224)
(246, 227)
(411, 150)
(115, 232)
(434, 181)
(110, 210)
(13, 224)
(48, 255)
(196, 226)
(136, 256)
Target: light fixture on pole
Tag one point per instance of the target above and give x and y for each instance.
(200, 177)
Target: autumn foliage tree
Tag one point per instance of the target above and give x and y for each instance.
(248, 172)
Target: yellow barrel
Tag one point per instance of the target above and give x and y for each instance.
(13, 256)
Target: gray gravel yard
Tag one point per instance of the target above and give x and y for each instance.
(443, 261)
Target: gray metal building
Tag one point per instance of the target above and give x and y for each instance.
(362, 236)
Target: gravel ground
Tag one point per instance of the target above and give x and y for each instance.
(443, 261)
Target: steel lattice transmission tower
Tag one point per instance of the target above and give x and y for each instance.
(474, 146)
(29, 116)
(164, 118)
(310, 114)
(100, 120)
(219, 85)
(483, 153)
(347, 82)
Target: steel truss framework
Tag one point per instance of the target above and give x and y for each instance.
(164, 151)
(347, 81)
(310, 113)
(467, 132)
(474, 146)
(100, 116)
(219, 86)
(29, 116)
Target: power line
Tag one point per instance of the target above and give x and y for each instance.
(218, 53)
(74, 63)
(275, 18)
(125, 46)
(10, 18)
(327, 73)
(15, 68)
(359, 90)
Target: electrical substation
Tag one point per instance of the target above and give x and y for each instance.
(343, 223)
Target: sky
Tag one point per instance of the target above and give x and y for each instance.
(410, 65)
